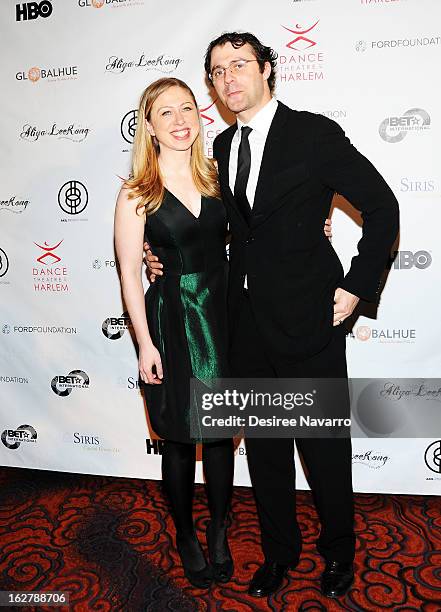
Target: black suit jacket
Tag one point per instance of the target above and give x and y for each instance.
(292, 269)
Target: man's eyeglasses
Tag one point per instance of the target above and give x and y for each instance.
(234, 67)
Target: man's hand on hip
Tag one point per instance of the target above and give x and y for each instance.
(344, 304)
(154, 266)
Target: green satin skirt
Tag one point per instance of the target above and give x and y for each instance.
(187, 318)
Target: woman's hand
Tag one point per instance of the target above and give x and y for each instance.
(150, 358)
(328, 228)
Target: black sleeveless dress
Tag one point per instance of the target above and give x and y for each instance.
(186, 310)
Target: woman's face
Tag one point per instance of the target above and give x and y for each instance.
(174, 119)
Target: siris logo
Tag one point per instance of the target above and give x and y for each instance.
(33, 10)
(412, 185)
(12, 438)
(301, 43)
(114, 327)
(85, 439)
(63, 385)
(405, 260)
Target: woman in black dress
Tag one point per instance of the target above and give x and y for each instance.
(172, 202)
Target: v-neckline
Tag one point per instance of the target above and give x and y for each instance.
(183, 205)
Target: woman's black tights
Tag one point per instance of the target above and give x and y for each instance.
(178, 472)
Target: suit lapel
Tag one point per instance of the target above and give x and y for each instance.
(271, 156)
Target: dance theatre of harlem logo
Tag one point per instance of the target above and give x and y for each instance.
(63, 385)
(304, 60)
(115, 327)
(33, 10)
(395, 129)
(13, 438)
(73, 198)
(210, 122)
(432, 457)
(50, 276)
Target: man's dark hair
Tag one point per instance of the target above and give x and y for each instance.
(238, 39)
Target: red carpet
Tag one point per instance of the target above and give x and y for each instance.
(109, 543)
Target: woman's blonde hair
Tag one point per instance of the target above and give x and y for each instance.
(146, 181)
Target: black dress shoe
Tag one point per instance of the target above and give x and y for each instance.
(267, 579)
(337, 578)
(219, 553)
(196, 569)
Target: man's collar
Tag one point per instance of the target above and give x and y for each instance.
(261, 122)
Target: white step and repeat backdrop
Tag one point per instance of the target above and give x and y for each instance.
(72, 72)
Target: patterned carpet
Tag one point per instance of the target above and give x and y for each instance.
(109, 543)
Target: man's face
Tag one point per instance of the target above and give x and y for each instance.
(244, 91)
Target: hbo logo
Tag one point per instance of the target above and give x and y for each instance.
(404, 260)
(32, 10)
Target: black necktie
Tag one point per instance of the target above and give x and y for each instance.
(243, 172)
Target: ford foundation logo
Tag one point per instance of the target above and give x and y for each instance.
(395, 129)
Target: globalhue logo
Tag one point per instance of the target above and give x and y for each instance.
(98, 4)
(364, 333)
(58, 73)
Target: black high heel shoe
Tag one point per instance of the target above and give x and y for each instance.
(219, 553)
(200, 578)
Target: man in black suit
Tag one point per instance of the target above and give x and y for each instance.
(288, 295)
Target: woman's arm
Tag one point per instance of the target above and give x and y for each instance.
(129, 235)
